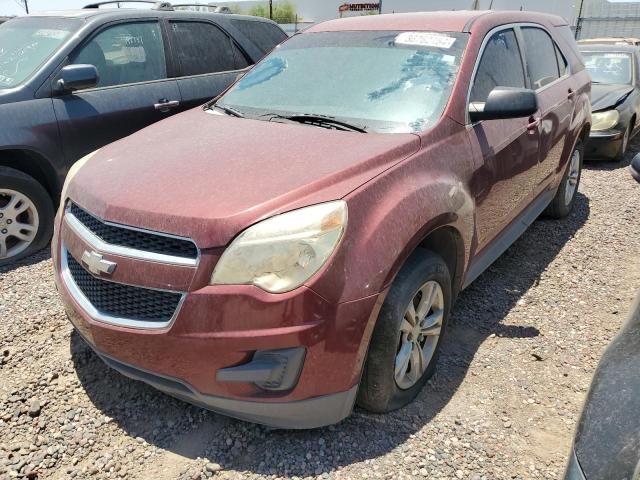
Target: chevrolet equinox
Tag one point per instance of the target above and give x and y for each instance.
(294, 247)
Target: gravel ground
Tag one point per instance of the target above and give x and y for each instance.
(524, 341)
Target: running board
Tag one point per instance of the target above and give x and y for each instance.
(508, 236)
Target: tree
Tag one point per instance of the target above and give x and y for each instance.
(283, 12)
(237, 9)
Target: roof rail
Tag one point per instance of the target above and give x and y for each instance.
(215, 8)
(156, 5)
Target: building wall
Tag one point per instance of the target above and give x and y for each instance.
(602, 18)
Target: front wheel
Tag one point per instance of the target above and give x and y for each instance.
(623, 145)
(406, 339)
(565, 197)
(26, 215)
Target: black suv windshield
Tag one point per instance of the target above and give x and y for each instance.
(26, 43)
(383, 81)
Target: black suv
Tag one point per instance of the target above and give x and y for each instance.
(73, 81)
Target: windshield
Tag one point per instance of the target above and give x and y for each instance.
(609, 67)
(26, 43)
(381, 81)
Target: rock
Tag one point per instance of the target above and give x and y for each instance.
(34, 408)
(213, 467)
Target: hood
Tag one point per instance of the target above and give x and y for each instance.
(605, 96)
(208, 176)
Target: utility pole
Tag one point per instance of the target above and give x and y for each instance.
(271, 9)
(379, 7)
(579, 20)
(26, 6)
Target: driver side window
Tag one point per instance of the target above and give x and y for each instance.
(500, 66)
(126, 53)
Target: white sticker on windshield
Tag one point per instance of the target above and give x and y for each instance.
(44, 32)
(425, 39)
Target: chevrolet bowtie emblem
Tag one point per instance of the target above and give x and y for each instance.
(97, 265)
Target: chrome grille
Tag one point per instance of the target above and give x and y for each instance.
(124, 301)
(135, 239)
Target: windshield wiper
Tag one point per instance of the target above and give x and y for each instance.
(228, 110)
(319, 121)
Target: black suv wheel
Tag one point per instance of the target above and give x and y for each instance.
(26, 215)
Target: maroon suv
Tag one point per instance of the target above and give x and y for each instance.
(295, 246)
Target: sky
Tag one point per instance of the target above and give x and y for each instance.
(13, 7)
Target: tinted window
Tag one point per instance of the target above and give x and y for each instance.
(126, 53)
(562, 62)
(263, 35)
(202, 48)
(542, 61)
(500, 66)
(241, 58)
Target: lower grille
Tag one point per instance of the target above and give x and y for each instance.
(124, 301)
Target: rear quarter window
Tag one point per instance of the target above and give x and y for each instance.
(569, 48)
(265, 36)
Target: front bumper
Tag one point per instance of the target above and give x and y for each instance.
(604, 144)
(220, 327)
(302, 414)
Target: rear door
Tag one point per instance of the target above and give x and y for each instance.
(549, 75)
(205, 58)
(503, 186)
(133, 90)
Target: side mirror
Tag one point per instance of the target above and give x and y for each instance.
(76, 77)
(505, 102)
(635, 167)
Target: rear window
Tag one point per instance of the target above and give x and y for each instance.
(203, 48)
(263, 35)
(542, 60)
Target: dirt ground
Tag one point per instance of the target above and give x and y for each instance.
(518, 358)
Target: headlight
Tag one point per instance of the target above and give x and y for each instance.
(283, 252)
(73, 171)
(605, 120)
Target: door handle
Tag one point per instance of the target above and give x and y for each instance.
(534, 123)
(571, 94)
(166, 105)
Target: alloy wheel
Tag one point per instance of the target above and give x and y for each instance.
(419, 334)
(625, 140)
(19, 223)
(572, 177)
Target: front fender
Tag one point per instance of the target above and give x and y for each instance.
(390, 216)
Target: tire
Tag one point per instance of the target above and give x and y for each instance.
(380, 391)
(561, 205)
(38, 214)
(625, 143)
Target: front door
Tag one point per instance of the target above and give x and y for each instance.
(505, 182)
(133, 90)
